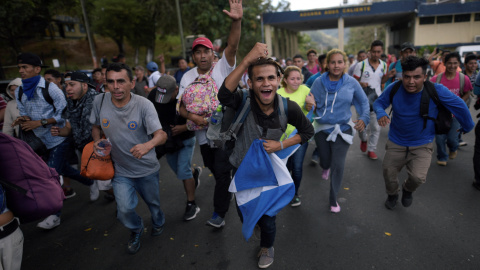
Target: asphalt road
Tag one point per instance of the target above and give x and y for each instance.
(439, 231)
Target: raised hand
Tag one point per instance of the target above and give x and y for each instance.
(260, 50)
(236, 10)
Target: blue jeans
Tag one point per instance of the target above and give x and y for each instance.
(181, 160)
(450, 139)
(57, 160)
(295, 165)
(125, 190)
(268, 229)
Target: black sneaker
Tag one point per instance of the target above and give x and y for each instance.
(295, 201)
(157, 231)
(197, 171)
(134, 243)
(407, 198)
(391, 201)
(109, 197)
(191, 211)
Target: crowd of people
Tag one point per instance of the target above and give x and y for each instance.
(145, 114)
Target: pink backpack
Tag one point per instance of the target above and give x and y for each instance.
(32, 189)
(200, 97)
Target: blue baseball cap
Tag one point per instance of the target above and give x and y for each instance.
(152, 66)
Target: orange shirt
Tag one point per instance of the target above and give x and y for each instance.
(438, 67)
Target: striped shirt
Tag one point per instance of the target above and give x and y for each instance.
(38, 108)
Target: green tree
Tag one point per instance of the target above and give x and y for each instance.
(22, 20)
(118, 20)
(361, 37)
(206, 17)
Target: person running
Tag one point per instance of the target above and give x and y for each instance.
(141, 82)
(410, 138)
(11, 111)
(312, 64)
(476, 153)
(131, 124)
(182, 69)
(263, 121)
(406, 50)
(372, 73)
(180, 143)
(80, 95)
(293, 89)
(300, 63)
(11, 236)
(37, 114)
(462, 88)
(334, 94)
(211, 76)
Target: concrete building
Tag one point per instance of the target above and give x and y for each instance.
(448, 23)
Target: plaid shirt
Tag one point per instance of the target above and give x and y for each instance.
(38, 108)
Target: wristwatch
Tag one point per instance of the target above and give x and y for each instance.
(44, 122)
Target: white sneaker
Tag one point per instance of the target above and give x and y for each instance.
(50, 222)
(94, 191)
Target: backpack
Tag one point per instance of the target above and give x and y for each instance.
(371, 92)
(225, 132)
(45, 93)
(32, 189)
(443, 122)
(200, 97)
(462, 81)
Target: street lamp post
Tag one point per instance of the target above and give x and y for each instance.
(179, 16)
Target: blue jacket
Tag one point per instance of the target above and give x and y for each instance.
(350, 93)
(406, 127)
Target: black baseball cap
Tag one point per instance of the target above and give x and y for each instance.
(79, 77)
(165, 88)
(30, 59)
(407, 45)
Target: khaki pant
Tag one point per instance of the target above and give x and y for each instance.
(417, 160)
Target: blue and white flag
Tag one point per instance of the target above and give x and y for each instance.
(262, 185)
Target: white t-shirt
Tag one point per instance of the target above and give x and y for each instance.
(153, 78)
(371, 76)
(219, 73)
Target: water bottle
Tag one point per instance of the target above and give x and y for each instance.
(107, 145)
(217, 116)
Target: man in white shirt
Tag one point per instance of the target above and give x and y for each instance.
(214, 158)
(372, 73)
(154, 74)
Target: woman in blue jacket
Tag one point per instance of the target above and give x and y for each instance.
(334, 94)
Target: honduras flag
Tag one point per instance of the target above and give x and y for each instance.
(262, 185)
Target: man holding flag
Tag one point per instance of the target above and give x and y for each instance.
(264, 186)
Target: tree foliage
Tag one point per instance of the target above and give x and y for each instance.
(362, 37)
(139, 22)
(206, 17)
(22, 20)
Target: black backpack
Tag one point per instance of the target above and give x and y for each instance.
(443, 122)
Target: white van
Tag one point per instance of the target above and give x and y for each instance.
(464, 50)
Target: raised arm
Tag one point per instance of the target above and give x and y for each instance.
(258, 51)
(236, 14)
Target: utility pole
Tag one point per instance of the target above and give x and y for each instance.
(179, 17)
(89, 35)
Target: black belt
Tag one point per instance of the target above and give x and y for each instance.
(8, 229)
